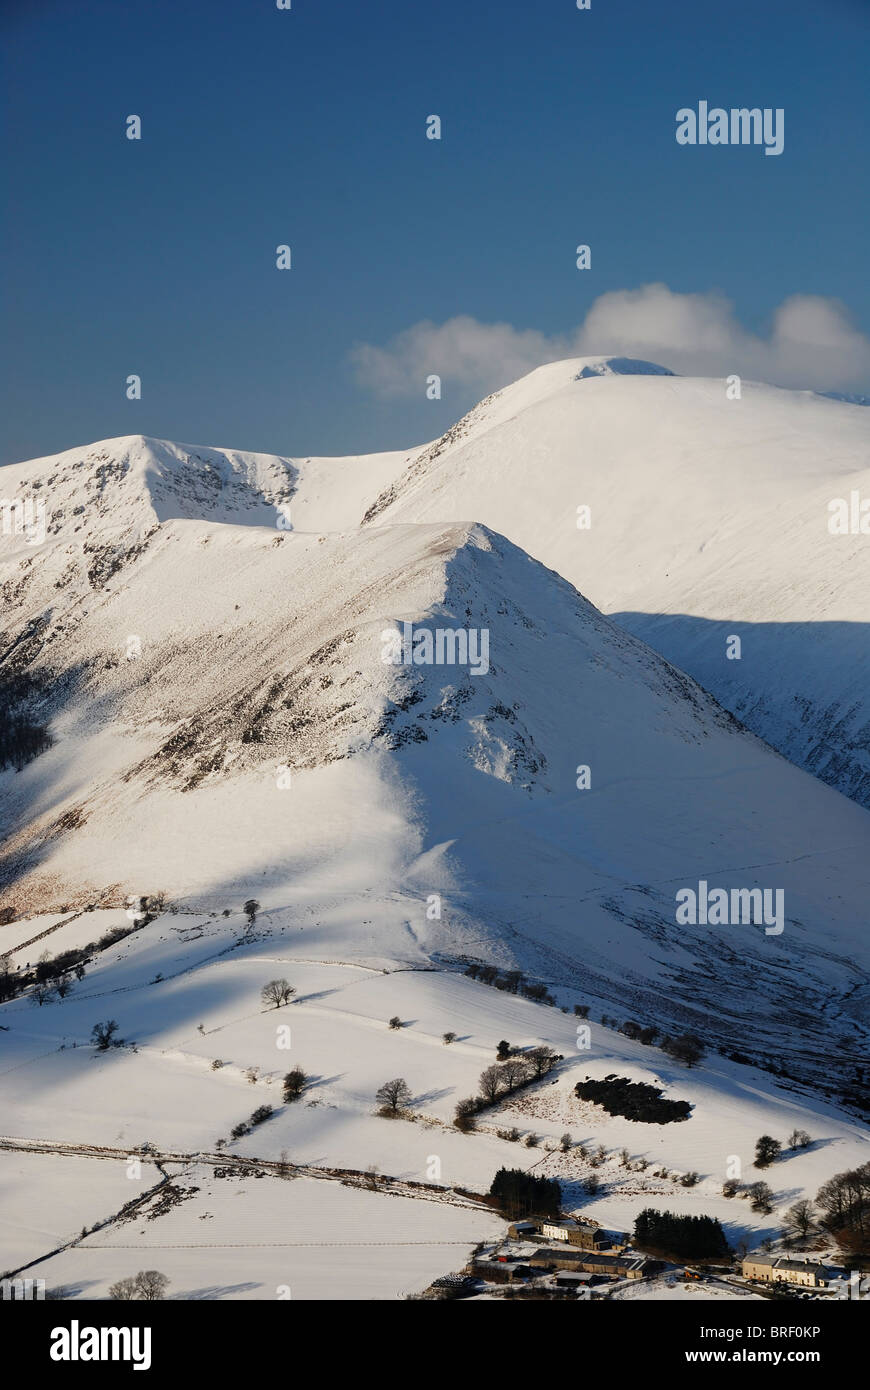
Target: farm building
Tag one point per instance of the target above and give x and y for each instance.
(570, 1280)
(591, 1262)
(499, 1272)
(558, 1229)
(523, 1230)
(775, 1269)
(580, 1233)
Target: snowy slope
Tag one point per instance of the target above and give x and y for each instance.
(117, 488)
(162, 1088)
(709, 518)
(257, 740)
(202, 632)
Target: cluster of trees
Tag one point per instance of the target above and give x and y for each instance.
(149, 1285)
(516, 1069)
(21, 741)
(294, 1084)
(52, 976)
(683, 1047)
(845, 1206)
(511, 981)
(639, 1033)
(760, 1194)
(671, 1236)
(768, 1149)
(633, 1099)
(258, 1117)
(523, 1194)
(841, 1208)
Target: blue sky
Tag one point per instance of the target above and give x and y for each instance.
(307, 127)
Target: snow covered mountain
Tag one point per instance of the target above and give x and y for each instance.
(708, 519)
(416, 747)
(223, 717)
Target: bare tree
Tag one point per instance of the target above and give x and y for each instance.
(152, 1285)
(252, 907)
(149, 1285)
(799, 1139)
(102, 1034)
(276, 993)
(543, 1059)
(491, 1081)
(448, 1037)
(761, 1197)
(394, 1096)
(124, 1290)
(800, 1218)
(514, 1072)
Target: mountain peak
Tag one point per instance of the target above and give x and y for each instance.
(621, 366)
(130, 483)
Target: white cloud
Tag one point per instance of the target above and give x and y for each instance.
(811, 343)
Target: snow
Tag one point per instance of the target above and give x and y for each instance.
(265, 1238)
(225, 727)
(166, 1093)
(709, 518)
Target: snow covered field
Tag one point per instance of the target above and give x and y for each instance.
(265, 1238)
(164, 1092)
